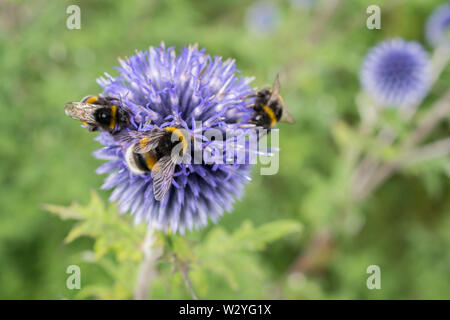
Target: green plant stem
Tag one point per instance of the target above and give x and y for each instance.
(147, 270)
(439, 111)
(183, 267)
(188, 283)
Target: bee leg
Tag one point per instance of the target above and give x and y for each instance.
(247, 125)
(249, 96)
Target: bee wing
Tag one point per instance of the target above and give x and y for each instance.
(81, 111)
(162, 174)
(275, 93)
(276, 86)
(144, 141)
(150, 141)
(286, 116)
(129, 136)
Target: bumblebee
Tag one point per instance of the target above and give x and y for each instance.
(158, 152)
(105, 113)
(269, 108)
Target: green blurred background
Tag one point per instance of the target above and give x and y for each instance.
(317, 46)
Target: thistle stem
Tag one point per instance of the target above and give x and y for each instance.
(425, 125)
(183, 267)
(440, 58)
(147, 270)
(188, 283)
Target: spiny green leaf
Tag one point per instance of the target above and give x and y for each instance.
(79, 230)
(222, 253)
(111, 231)
(252, 238)
(65, 213)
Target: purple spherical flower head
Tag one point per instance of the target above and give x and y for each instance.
(396, 72)
(162, 89)
(437, 29)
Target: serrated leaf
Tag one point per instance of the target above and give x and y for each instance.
(252, 238)
(221, 253)
(79, 230)
(111, 231)
(65, 213)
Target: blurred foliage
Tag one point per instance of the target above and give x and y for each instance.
(219, 257)
(46, 158)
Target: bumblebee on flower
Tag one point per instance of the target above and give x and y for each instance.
(163, 95)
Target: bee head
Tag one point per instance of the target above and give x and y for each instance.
(264, 94)
(103, 115)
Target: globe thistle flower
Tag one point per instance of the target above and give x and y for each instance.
(437, 29)
(163, 89)
(396, 72)
(262, 18)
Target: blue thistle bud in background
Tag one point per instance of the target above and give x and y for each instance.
(262, 18)
(162, 89)
(437, 29)
(396, 73)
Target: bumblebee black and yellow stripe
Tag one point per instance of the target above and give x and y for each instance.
(150, 161)
(112, 122)
(271, 114)
(92, 99)
(143, 142)
(180, 136)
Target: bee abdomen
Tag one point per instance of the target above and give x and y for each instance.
(139, 163)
